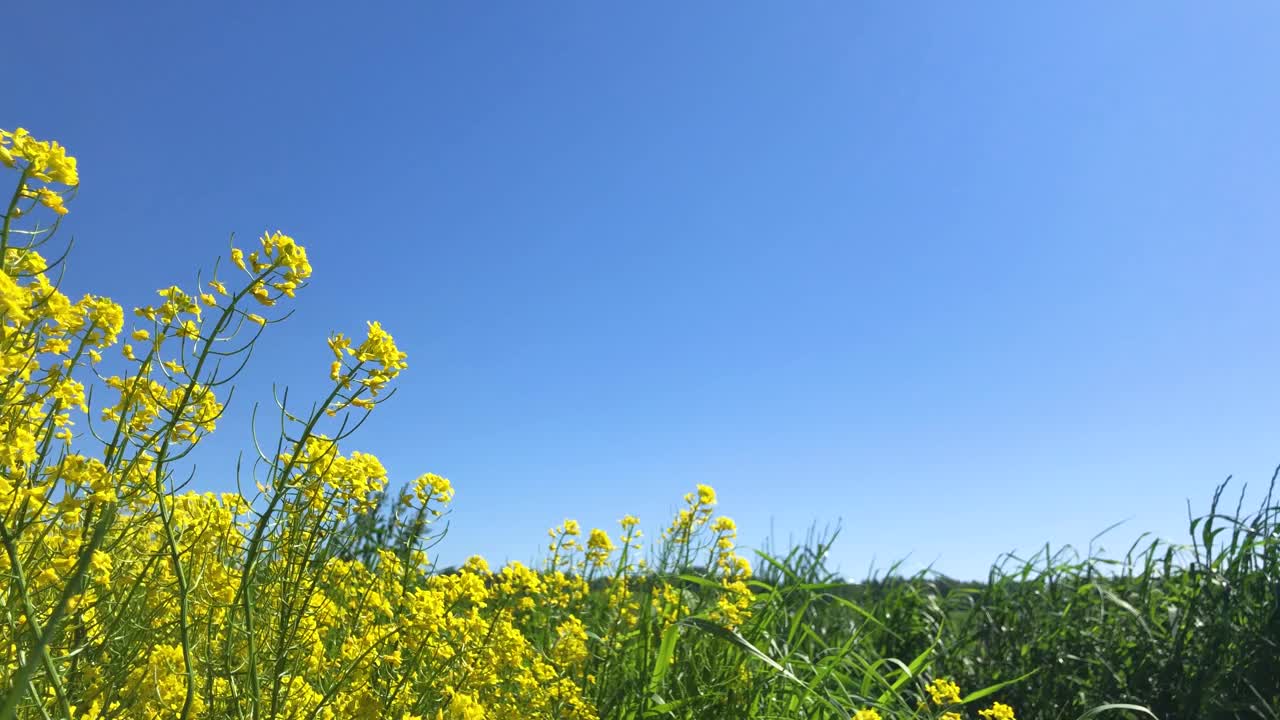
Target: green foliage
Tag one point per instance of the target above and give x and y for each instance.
(1180, 631)
(1190, 631)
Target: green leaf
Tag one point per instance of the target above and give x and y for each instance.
(1116, 706)
(912, 670)
(734, 638)
(662, 662)
(979, 694)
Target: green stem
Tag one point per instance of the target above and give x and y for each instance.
(8, 215)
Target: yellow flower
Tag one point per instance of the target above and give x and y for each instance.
(998, 711)
(599, 546)
(943, 691)
(46, 161)
(51, 200)
(379, 349)
(338, 343)
(464, 707)
(706, 495)
(262, 295)
(140, 335)
(433, 487)
(288, 254)
(107, 319)
(868, 714)
(571, 643)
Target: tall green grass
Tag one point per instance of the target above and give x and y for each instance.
(1190, 629)
(1176, 630)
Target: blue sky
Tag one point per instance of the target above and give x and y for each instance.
(969, 277)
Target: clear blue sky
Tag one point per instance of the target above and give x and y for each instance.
(969, 276)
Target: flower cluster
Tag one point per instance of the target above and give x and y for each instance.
(135, 599)
(362, 372)
(943, 691)
(998, 711)
(45, 161)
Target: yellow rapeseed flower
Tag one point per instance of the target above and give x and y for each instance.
(943, 691)
(706, 495)
(45, 160)
(998, 711)
(51, 200)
